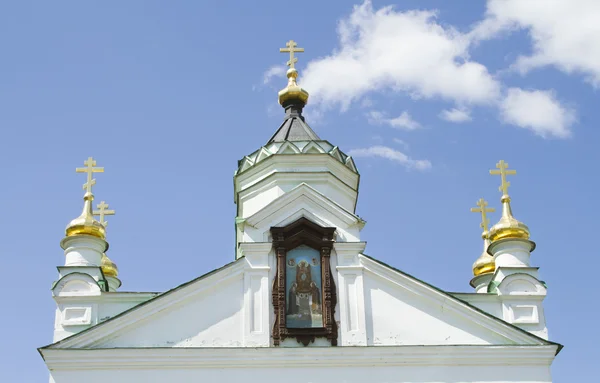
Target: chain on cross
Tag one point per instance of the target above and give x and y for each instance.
(90, 169)
(102, 212)
(503, 172)
(483, 210)
(291, 48)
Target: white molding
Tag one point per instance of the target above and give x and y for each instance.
(271, 357)
(292, 163)
(299, 194)
(452, 304)
(142, 313)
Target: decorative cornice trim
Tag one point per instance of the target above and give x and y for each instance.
(268, 357)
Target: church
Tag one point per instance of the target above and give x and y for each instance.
(301, 302)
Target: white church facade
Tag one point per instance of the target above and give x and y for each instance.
(301, 302)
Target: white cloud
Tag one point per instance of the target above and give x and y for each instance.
(455, 115)
(565, 34)
(402, 51)
(392, 155)
(400, 142)
(538, 111)
(274, 71)
(404, 121)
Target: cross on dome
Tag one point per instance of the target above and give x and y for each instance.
(103, 211)
(503, 172)
(291, 48)
(90, 169)
(483, 210)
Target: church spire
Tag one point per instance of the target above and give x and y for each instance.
(508, 226)
(292, 94)
(108, 267)
(85, 223)
(484, 266)
(485, 263)
(85, 240)
(293, 99)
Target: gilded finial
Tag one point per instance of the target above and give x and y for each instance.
(292, 91)
(85, 223)
(109, 268)
(508, 226)
(485, 263)
(291, 47)
(502, 171)
(483, 210)
(90, 169)
(102, 212)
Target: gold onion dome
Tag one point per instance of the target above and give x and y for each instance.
(485, 263)
(86, 223)
(109, 268)
(292, 92)
(508, 226)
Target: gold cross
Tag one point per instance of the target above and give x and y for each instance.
(483, 210)
(102, 211)
(291, 47)
(90, 170)
(503, 172)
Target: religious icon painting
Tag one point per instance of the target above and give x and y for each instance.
(304, 294)
(303, 288)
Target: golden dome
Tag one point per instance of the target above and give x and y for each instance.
(508, 226)
(109, 268)
(292, 90)
(485, 263)
(85, 223)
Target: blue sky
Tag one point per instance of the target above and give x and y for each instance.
(427, 95)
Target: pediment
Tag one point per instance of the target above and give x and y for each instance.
(304, 201)
(205, 312)
(403, 310)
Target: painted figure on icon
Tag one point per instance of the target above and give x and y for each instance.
(303, 285)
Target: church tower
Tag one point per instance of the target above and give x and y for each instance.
(503, 270)
(297, 177)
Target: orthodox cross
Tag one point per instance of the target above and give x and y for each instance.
(483, 210)
(291, 48)
(503, 172)
(102, 211)
(90, 169)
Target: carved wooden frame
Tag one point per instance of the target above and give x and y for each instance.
(304, 232)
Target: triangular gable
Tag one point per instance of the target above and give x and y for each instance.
(182, 311)
(350, 163)
(262, 154)
(313, 147)
(288, 148)
(429, 315)
(306, 195)
(335, 152)
(246, 163)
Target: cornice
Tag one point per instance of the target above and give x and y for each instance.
(268, 357)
